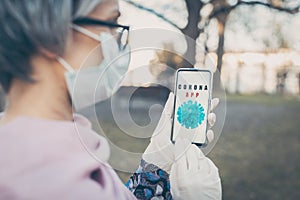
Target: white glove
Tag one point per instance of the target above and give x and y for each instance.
(193, 176)
(161, 151)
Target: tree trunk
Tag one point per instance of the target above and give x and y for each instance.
(191, 31)
(220, 50)
(222, 18)
(264, 74)
(299, 83)
(189, 57)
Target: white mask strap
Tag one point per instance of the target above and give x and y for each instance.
(65, 64)
(86, 32)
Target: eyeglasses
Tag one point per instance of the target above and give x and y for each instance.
(122, 31)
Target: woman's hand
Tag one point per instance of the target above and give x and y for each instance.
(193, 176)
(161, 151)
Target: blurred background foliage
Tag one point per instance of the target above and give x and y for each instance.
(229, 27)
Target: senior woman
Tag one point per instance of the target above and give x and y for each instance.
(42, 50)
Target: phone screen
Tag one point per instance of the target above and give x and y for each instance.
(192, 99)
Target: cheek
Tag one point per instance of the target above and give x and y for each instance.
(82, 51)
(94, 57)
(115, 34)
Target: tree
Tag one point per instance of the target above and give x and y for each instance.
(164, 64)
(221, 9)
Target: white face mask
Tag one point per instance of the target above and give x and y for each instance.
(90, 85)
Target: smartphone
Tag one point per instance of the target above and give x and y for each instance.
(193, 88)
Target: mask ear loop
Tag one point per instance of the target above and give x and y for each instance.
(65, 64)
(85, 32)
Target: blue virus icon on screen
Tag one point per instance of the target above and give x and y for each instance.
(190, 114)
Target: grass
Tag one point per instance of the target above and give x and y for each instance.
(257, 153)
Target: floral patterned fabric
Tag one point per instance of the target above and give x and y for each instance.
(149, 183)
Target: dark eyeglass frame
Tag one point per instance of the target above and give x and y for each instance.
(91, 21)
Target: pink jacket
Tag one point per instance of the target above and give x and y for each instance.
(46, 159)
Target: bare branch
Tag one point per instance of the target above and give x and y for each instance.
(240, 2)
(152, 11)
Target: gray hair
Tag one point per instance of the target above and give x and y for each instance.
(31, 25)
